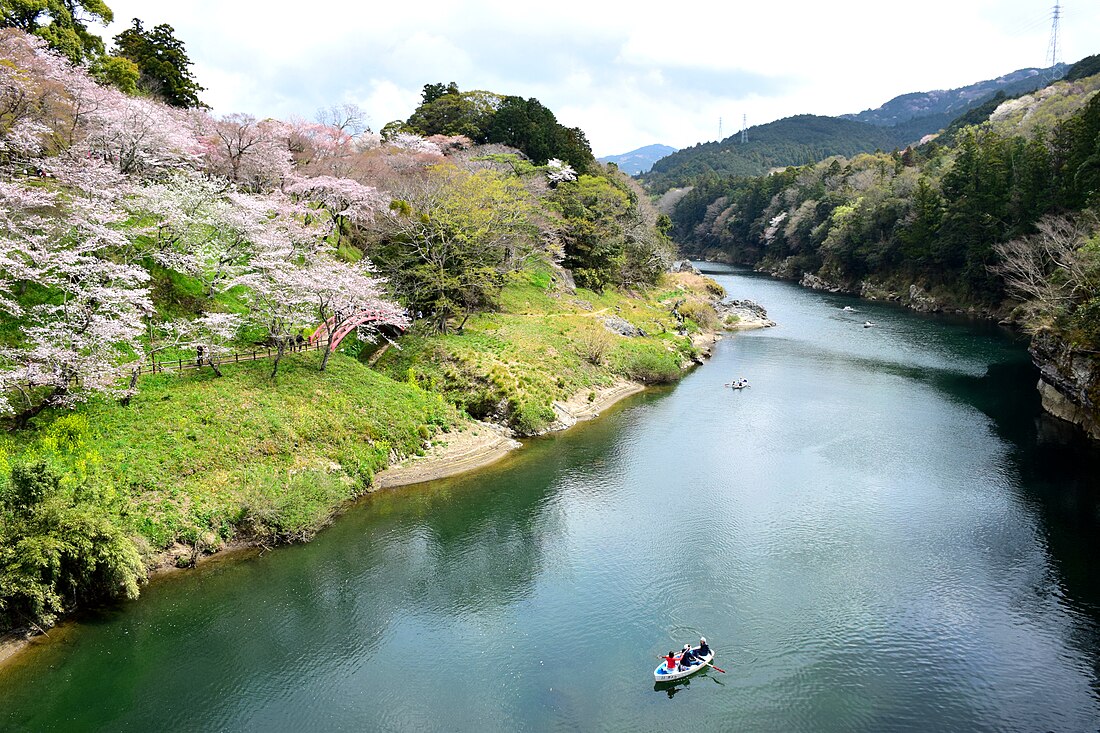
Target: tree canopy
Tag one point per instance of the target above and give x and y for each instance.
(61, 23)
(487, 117)
(162, 63)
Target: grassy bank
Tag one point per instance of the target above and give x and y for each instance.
(91, 498)
(548, 343)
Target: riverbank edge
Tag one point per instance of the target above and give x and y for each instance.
(476, 446)
(1069, 379)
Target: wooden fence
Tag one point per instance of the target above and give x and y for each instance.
(180, 364)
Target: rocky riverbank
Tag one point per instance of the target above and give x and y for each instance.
(1069, 378)
(1069, 382)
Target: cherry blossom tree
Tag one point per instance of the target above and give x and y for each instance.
(206, 230)
(276, 298)
(347, 117)
(73, 342)
(321, 149)
(558, 171)
(343, 200)
(249, 152)
(138, 136)
(414, 144)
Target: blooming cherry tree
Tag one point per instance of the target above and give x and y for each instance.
(73, 343)
(558, 171)
(249, 152)
(344, 200)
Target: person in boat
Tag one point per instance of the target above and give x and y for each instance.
(703, 650)
(670, 661)
(687, 658)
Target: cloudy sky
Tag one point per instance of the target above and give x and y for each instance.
(629, 74)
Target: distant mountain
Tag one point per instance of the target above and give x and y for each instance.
(809, 138)
(950, 103)
(640, 160)
(791, 141)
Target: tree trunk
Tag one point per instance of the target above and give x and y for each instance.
(280, 347)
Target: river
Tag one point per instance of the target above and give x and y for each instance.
(881, 533)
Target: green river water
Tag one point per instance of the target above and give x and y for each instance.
(881, 533)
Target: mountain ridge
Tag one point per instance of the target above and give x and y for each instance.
(639, 160)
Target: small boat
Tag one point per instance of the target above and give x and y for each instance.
(662, 674)
(867, 324)
(849, 308)
(737, 385)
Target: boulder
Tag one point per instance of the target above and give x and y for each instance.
(621, 326)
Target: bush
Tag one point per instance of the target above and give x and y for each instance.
(593, 345)
(530, 418)
(651, 366)
(57, 551)
(703, 314)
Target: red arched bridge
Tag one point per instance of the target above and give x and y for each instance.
(340, 326)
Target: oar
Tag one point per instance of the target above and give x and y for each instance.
(717, 668)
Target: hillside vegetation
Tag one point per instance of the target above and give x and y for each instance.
(137, 233)
(806, 139)
(1002, 212)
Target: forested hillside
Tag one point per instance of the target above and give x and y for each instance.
(997, 217)
(947, 104)
(791, 141)
(804, 139)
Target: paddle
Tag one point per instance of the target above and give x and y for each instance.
(717, 668)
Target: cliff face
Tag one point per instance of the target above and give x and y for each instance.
(1069, 382)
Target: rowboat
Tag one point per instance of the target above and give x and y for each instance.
(662, 674)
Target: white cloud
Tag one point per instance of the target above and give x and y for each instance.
(627, 75)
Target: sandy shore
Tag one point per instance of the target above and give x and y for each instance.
(483, 443)
(458, 452)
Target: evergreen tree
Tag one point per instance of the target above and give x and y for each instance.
(162, 62)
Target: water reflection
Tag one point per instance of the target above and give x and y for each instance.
(875, 536)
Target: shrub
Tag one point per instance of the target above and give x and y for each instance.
(702, 313)
(530, 418)
(651, 366)
(593, 345)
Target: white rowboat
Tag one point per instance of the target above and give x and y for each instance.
(661, 674)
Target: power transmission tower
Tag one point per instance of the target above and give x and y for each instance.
(744, 128)
(1052, 49)
(719, 128)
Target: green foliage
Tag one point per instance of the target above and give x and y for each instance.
(486, 117)
(162, 62)
(61, 23)
(529, 126)
(62, 531)
(447, 250)
(1086, 67)
(595, 212)
(799, 140)
(121, 73)
(446, 111)
(650, 365)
